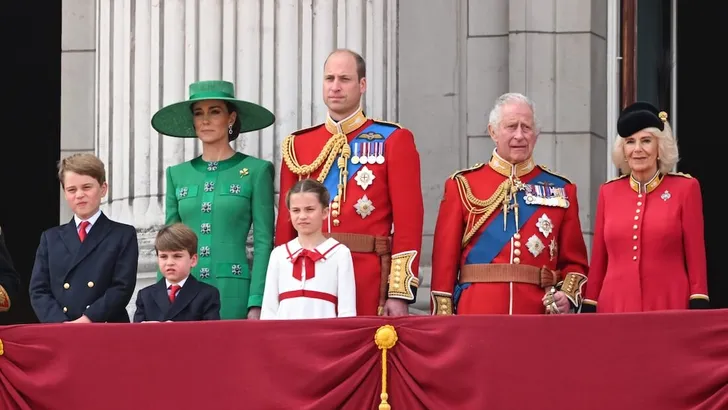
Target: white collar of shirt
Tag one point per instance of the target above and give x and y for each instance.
(180, 283)
(294, 246)
(92, 220)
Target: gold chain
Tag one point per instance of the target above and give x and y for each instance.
(477, 206)
(337, 145)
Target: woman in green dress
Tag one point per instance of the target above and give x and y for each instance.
(222, 192)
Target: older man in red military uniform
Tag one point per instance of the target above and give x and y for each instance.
(508, 238)
(372, 171)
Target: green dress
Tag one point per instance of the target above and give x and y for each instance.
(220, 201)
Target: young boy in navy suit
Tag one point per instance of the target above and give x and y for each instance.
(178, 296)
(85, 271)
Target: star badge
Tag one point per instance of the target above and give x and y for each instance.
(544, 225)
(364, 206)
(364, 177)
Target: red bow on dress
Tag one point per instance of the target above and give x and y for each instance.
(309, 258)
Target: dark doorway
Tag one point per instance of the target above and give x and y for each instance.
(702, 120)
(30, 136)
(647, 66)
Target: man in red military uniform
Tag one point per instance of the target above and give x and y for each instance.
(372, 171)
(508, 238)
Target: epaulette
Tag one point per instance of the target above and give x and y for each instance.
(301, 131)
(378, 121)
(462, 171)
(568, 181)
(680, 174)
(616, 178)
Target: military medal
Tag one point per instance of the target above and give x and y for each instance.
(372, 159)
(363, 159)
(380, 157)
(355, 157)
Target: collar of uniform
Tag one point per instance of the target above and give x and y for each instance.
(507, 169)
(346, 125)
(648, 187)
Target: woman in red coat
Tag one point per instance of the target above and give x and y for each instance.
(648, 251)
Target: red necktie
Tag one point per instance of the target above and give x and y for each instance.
(309, 258)
(82, 230)
(173, 292)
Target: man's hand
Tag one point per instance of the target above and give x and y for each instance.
(254, 313)
(82, 319)
(395, 307)
(560, 301)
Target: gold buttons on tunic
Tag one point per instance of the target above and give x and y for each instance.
(65, 309)
(66, 285)
(516, 260)
(634, 258)
(90, 284)
(634, 227)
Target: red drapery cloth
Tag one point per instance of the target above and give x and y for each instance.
(661, 361)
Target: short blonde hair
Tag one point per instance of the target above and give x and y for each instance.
(176, 237)
(667, 152)
(82, 164)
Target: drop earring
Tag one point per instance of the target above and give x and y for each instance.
(230, 129)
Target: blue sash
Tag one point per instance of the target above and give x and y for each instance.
(493, 239)
(331, 182)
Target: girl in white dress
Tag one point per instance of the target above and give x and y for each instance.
(310, 277)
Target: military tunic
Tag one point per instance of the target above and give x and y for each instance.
(220, 201)
(379, 196)
(495, 255)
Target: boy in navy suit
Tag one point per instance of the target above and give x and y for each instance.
(85, 271)
(178, 296)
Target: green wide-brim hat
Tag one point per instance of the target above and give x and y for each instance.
(176, 120)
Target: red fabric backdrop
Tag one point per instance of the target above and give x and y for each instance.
(661, 361)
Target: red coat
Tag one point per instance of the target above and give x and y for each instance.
(549, 236)
(392, 200)
(649, 250)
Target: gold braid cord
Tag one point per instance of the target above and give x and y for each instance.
(479, 208)
(336, 146)
(385, 338)
(4, 300)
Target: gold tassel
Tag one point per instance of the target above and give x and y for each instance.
(385, 338)
(2, 348)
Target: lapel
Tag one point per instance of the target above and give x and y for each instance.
(184, 297)
(69, 235)
(161, 297)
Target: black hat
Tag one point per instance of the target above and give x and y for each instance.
(638, 116)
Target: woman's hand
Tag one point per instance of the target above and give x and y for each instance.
(254, 313)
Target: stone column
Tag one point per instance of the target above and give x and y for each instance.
(149, 51)
(558, 57)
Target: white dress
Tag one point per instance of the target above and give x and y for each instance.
(316, 284)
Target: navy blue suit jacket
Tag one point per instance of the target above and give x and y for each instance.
(195, 301)
(95, 277)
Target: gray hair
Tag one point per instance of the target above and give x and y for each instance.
(667, 152)
(495, 116)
